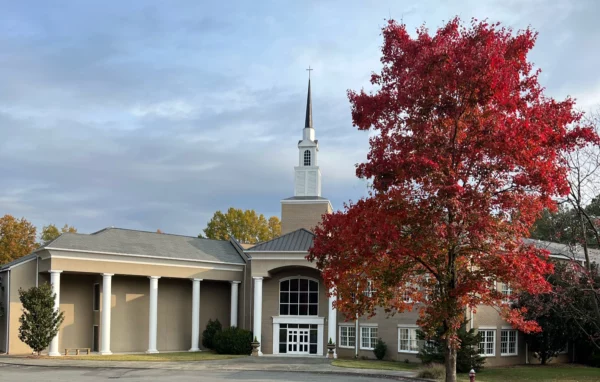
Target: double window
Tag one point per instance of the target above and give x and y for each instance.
(368, 337)
(508, 342)
(298, 297)
(347, 337)
(487, 346)
(407, 340)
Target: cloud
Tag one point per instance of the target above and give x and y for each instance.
(147, 115)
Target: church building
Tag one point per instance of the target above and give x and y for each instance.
(125, 290)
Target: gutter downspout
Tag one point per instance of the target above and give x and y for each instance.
(356, 337)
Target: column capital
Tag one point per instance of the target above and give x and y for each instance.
(153, 277)
(198, 280)
(108, 274)
(257, 278)
(235, 282)
(54, 271)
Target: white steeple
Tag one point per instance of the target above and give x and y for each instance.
(307, 179)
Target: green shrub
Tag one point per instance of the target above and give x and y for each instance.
(467, 356)
(233, 341)
(432, 371)
(380, 349)
(212, 328)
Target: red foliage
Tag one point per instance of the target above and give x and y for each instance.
(467, 153)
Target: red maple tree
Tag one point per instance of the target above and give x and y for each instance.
(467, 153)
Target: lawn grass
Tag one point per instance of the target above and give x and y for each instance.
(550, 373)
(159, 357)
(375, 364)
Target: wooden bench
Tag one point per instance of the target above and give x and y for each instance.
(77, 350)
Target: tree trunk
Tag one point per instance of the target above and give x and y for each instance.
(450, 363)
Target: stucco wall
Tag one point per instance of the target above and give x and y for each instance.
(21, 276)
(130, 306)
(271, 303)
(4, 304)
(76, 297)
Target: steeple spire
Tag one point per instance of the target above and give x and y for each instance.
(308, 122)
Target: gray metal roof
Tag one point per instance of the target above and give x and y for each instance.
(306, 198)
(565, 250)
(298, 241)
(132, 242)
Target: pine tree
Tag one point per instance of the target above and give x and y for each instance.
(467, 356)
(39, 322)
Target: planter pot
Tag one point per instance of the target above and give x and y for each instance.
(330, 349)
(255, 346)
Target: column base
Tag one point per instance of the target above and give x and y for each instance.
(151, 351)
(194, 349)
(54, 354)
(106, 353)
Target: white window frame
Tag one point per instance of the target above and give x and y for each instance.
(506, 293)
(369, 291)
(412, 338)
(347, 327)
(307, 155)
(372, 342)
(289, 303)
(508, 331)
(493, 330)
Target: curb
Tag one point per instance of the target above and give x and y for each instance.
(227, 369)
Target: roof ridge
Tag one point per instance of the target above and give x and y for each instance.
(156, 233)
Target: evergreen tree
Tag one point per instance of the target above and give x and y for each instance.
(468, 354)
(39, 322)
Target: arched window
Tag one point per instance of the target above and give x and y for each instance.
(298, 297)
(307, 157)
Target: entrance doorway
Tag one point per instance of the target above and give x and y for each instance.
(298, 341)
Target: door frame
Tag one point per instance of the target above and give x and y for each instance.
(319, 321)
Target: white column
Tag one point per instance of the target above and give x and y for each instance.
(55, 282)
(195, 315)
(233, 321)
(332, 322)
(105, 319)
(153, 313)
(258, 311)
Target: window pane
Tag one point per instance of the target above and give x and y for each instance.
(294, 297)
(282, 348)
(314, 286)
(293, 310)
(285, 285)
(313, 349)
(284, 309)
(313, 336)
(304, 285)
(313, 298)
(303, 297)
(96, 296)
(284, 297)
(294, 285)
(313, 310)
(303, 310)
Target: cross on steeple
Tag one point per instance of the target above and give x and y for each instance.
(309, 70)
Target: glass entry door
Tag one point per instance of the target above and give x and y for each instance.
(298, 341)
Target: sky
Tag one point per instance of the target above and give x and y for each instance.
(155, 114)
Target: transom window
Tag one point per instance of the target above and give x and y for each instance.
(368, 337)
(487, 346)
(407, 340)
(307, 157)
(298, 297)
(347, 336)
(508, 342)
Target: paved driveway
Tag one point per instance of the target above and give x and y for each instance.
(64, 374)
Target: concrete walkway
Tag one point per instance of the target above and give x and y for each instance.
(286, 364)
